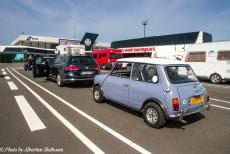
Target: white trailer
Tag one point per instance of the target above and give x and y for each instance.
(210, 60)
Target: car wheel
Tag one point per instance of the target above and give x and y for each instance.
(98, 95)
(91, 83)
(59, 81)
(34, 73)
(153, 115)
(215, 78)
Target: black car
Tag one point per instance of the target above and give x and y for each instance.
(67, 69)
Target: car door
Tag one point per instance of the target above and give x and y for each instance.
(41, 67)
(144, 85)
(56, 66)
(116, 85)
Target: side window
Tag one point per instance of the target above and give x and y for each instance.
(57, 60)
(95, 56)
(145, 73)
(63, 60)
(223, 55)
(122, 69)
(40, 60)
(103, 55)
(196, 57)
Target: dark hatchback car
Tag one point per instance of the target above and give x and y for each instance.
(67, 69)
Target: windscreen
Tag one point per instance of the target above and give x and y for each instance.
(82, 61)
(180, 74)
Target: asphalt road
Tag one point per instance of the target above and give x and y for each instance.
(69, 121)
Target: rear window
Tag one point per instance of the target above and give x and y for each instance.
(82, 61)
(180, 74)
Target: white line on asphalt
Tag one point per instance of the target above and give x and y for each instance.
(220, 106)
(7, 77)
(218, 100)
(73, 129)
(4, 73)
(98, 123)
(3, 69)
(29, 114)
(12, 85)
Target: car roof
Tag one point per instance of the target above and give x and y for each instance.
(150, 60)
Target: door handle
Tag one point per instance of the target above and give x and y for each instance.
(126, 85)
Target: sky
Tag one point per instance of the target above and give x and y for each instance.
(112, 19)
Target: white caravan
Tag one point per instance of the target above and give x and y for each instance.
(210, 60)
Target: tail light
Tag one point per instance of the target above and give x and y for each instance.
(97, 67)
(71, 68)
(175, 104)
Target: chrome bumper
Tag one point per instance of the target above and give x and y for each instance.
(183, 113)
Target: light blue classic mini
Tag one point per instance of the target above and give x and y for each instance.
(161, 89)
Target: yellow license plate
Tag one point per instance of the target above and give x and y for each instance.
(196, 100)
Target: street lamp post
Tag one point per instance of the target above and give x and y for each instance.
(144, 23)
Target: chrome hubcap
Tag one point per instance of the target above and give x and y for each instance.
(96, 94)
(59, 80)
(215, 78)
(152, 115)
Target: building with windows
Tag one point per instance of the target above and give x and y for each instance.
(42, 45)
(36, 41)
(165, 46)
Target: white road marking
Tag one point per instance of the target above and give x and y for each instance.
(7, 77)
(19, 68)
(218, 100)
(73, 129)
(4, 73)
(29, 114)
(220, 106)
(98, 123)
(3, 69)
(12, 85)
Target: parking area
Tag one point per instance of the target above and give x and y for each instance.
(67, 120)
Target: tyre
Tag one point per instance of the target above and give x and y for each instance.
(215, 78)
(154, 115)
(60, 81)
(34, 72)
(98, 95)
(91, 83)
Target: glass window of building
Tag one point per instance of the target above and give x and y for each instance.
(41, 45)
(35, 44)
(48, 45)
(27, 43)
